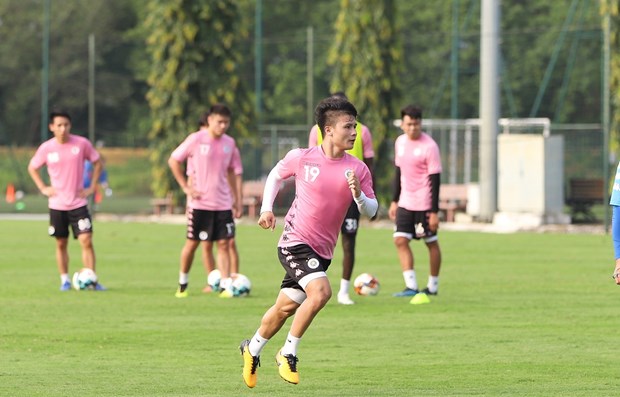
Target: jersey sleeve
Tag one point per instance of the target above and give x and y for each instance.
(287, 167)
(434, 158)
(39, 159)
(181, 153)
(235, 164)
(90, 152)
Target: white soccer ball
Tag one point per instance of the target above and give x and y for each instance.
(366, 284)
(241, 285)
(84, 279)
(213, 279)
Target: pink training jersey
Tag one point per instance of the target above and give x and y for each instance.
(417, 160)
(366, 141)
(65, 166)
(322, 197)
(208, 162)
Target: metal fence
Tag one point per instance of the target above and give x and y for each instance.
(458, 141)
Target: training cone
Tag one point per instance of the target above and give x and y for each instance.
(98, 196)
(419, 299)
(10, 193)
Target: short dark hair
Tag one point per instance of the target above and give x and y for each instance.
(58, 113)
(413, 111)
(331, 107)
(221, 109)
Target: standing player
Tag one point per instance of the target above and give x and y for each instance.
(311, 228)
(211, 154)
(64, 156)
(208, 258)
(415, 202)
(363, 150)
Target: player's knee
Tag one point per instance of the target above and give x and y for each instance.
(400, 242)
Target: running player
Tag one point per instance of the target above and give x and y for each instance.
(311, 228)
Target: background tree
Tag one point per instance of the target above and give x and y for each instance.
(71, 22)
(612, 7)
(194, 64)
(365, 59)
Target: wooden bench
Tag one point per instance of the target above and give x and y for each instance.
(252, 197)
(163, 205)
(452, 198)
(583, 193)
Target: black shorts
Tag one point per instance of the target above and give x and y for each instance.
(205, 225)
(351, 220)
(79, 219)
(300, 261)
(413, 225)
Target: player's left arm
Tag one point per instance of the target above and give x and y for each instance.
(236, 183)
(367, 206)
(433, 219)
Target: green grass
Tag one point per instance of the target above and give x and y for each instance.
(518, 315)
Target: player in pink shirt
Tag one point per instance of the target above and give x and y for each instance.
(64, 155)
(207, 246)
(363, 150)
(212, 157)
(415, 202)
(326, 179)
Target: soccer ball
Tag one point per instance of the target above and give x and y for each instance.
(213, 279)
(366, 284)
(84, 279)
(241, 285)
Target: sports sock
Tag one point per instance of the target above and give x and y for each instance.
(410, 280)
(64, 278)
(183, 278)
(433, 283)
(344, 287)
(290, 346)
(256, 344)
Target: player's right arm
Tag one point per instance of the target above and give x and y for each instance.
(395, 194)
(177, 171)
(267, 219)
(33, 169)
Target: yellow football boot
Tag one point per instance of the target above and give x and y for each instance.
(287, 367)
(250, 364)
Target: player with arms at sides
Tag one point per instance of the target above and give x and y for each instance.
(212, 202)
(311, 228)
(363, 150)
(208, 259)
(614, 201)
(64, 155)
(415, 203)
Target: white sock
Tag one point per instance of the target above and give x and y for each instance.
(433, 283)
(344, 287)
(410, 281)
(64, 278)
(183, 278)
(256, 344)
(290, 346)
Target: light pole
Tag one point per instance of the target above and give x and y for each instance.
(45, 57)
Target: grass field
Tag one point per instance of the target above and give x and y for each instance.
(518, 315)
